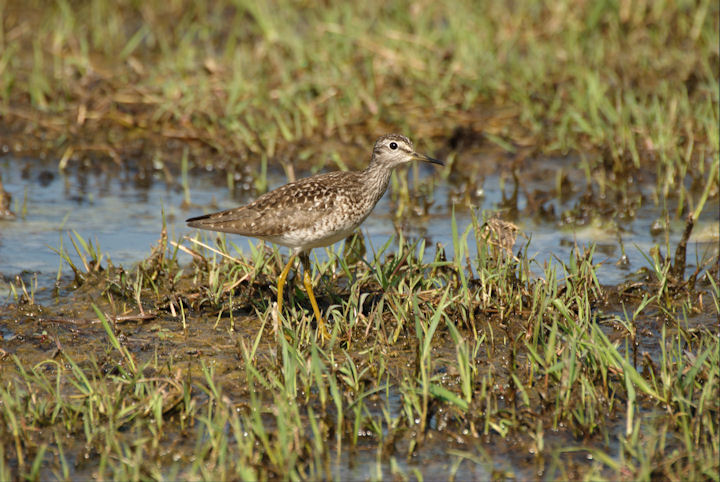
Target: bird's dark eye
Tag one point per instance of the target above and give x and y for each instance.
(393, 145)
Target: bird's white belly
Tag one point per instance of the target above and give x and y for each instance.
(323, 233)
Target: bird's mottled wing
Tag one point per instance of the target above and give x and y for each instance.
(297, 205)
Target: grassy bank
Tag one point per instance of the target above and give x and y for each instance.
(190, 372)
(632, 85)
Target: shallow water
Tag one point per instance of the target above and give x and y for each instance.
(123, 213)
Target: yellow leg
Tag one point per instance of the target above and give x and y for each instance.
(307, 281)
(281, 283)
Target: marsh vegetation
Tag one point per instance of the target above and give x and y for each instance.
(470, 358)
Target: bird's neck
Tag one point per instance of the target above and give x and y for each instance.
(375, 178)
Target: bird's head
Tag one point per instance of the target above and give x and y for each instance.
(394, 149)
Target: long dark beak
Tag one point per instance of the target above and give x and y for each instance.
(423, 157)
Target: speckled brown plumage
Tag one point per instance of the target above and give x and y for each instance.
(319, 210)
(316, 211)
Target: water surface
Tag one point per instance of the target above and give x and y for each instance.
(122, 211)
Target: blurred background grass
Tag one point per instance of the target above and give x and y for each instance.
(633, 82)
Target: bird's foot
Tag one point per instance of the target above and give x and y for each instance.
(322, 330)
